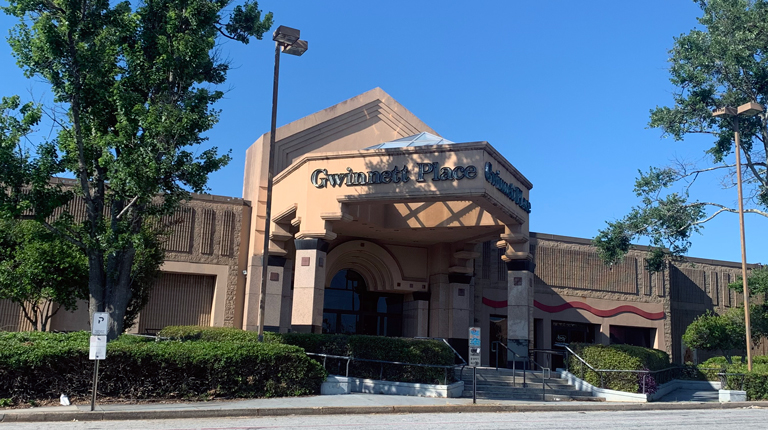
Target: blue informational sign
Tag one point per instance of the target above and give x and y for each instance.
(474, 346)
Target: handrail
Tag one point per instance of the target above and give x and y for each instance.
(544, 370)
(382, 362)
(600, 372)
(568, 348)
(463, 361)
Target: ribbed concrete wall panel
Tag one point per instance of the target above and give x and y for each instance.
(570, 268)
(689, 285)
(227, 233)
(208, 230)
(12, 318)
(179, 300)
(182, 226)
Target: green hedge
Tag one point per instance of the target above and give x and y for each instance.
(404, 350)
(755, 383)
(618, 357)
(36, 366)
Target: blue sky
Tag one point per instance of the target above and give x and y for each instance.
(562, 89)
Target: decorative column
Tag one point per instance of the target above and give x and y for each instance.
(272, 304)
(416, 316)
(274, 293)
(450, 299)
(519, 310)
(309, 285)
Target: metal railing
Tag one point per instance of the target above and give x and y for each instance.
(546, 372)
(350, 359)
(455, 353)
(644, 376)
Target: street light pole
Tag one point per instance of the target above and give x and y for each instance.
(748, 109)
(286, 40)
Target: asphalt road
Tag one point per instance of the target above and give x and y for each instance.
(743, 419)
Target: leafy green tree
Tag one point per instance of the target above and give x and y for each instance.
(723, 64)
(40, 271)
(134, 86)
(712, 332)
(757, 281)
(727, 332)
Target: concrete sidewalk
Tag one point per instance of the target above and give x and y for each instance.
(326, 405)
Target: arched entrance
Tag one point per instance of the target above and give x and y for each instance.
(349, 308)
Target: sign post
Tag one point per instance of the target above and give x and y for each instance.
(474, 358)
(98, 347)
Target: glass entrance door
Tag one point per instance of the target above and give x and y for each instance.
(498, 332)
(349, 308)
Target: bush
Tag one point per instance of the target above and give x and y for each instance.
(755, 383)
(403, 350)
(619, 357)
(37, 366)
(210, 334)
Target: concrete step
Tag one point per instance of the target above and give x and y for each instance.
(517, 381)
(519, 390)
(506, 384)
(531, 395)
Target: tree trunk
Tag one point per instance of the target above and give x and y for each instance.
(119, 287)
(96, 283)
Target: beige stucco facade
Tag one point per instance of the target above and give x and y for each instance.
(418, 237)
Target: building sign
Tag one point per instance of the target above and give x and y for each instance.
(421, 172)
(512, 192)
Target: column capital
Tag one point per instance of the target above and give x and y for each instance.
(521, 265)
(313, 244)
(276, 260)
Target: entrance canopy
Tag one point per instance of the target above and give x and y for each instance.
(414, 195)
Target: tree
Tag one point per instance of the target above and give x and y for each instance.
(724, 64)
(39, 271)
(757, 281)
(727, 332)
(134, 88)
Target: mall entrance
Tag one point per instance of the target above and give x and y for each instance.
(349, 308)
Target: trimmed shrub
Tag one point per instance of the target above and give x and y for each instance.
(44, 365)
(619, 357)
(755, 383)
(210, 334)
(403, 350)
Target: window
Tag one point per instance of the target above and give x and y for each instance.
(349, 308)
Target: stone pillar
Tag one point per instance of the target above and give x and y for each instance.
(274, 293)
(252, 290)
(416, 316)
(272, 297)
(519, 310)
(450, 301)
(309, 285)
(604, 334)
(287, 297)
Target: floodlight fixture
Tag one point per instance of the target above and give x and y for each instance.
(297, 48)
(286, 35)
(749, 109)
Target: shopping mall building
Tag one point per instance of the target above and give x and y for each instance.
(381, 227)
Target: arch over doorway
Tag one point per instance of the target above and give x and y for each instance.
(349, 307)
(375, 264)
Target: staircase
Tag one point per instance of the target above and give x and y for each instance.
(499, 384)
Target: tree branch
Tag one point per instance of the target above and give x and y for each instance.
(724, 208)
(223, 33)
(127, 207)
(64, 236)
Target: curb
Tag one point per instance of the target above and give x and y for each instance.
(358, 410)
